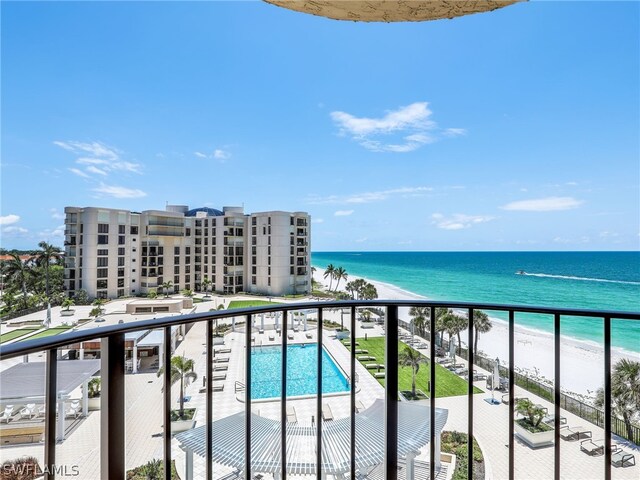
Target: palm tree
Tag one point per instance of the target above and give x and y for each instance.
(412, 358)
(181, 371)
(533, 412)
(166, 286)
(95, 312)
(206, 283)
(369, 292)
(68, 303)
(329, 272)
(481, 324)
(44, 257)
(420, 319)
(453, 324)
(18, 272)
(351, 288)
(340, 274)
(625, 392)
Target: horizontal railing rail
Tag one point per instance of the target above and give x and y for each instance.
(112, 372)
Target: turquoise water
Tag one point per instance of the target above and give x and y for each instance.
(302, 375)
(591, 280)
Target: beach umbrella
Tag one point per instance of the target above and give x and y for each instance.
(48, 314)
(262, 321)
(452, 347)
(496, 374)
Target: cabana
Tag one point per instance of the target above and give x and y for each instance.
(229, 441)
(24, 383)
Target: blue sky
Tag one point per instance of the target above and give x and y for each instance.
(512, 130)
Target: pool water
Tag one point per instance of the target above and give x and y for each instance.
(302, 373)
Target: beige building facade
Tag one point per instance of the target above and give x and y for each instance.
(112, 253)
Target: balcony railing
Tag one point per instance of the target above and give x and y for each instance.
(112, 371)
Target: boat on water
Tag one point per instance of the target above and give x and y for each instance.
(520, 272)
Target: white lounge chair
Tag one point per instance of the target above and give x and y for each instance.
(74, 409)
(359, 406)
(7, 414)
(327, 414)
(379, 375)
(218, 387)
(272, 337)
(290, 336)
(219, 376)
(220, 368)
(291, 414)
(29, 411)
(309, 335)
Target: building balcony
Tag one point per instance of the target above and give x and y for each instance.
(352, 420)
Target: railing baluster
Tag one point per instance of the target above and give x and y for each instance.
(283, 405)
(166, 404)
(432, 395)
(319, 398)
(352, 408)
(470, 397)
(112, 390)
(51, 394)
(511, 396)
(556, 422)
(607, 398)
(209, 410)
(391, 393)
(247, 398)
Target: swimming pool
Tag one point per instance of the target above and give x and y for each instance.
(302, 374)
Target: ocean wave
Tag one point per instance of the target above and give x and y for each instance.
(583, 279)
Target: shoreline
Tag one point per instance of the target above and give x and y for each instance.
(531, 345)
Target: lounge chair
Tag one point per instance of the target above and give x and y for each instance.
(291, 414)
(622, 459)
(220, 368)
(571, 434)
(361, 351)
(7, 414)
(359, 406)
(29, 411)
(290, 335)
(365, 358)
(592, 448)
(550, 419)
(261, 330)
(272, 337)
(516, 399)
(74, 409)
(218, 387)
(308, 335)
(222, 350)
(221, 360)
(327, 414)
(219, 376)
(379, 375)
(370, 366)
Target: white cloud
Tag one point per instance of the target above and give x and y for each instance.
(56, 214)
(361, 240)
(93, 169)
(343, 213)
(49, 233)
(411, 125)
(96, 149)
(405, 242)
(119, 192)
(199, 154)
(14, 231)
(317, 220)
(79, 172)
(367, 197)
(9, 219)
(459, 221)
(547, 204)
(221, 154)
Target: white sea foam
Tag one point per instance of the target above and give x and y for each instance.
(583, 279)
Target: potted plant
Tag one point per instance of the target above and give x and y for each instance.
(530, 428)
(67, 303)
(342, 333)
(93, 388)
(181, 371)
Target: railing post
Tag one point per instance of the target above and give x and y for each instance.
(557, 397)
(319, 398)
(391, 393)
(512, 395)
(470, 397)
(51, 395)
(607, 398)
(209, 409)
(352, 409)
(283, 404)
(432, 394)
(112, 430)
(166, 403)
(247, 399)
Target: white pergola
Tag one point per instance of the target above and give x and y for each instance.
(229, 441)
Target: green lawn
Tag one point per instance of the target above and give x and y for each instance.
(5, 337)
(448, 384)
(50, 331)
(249, 303)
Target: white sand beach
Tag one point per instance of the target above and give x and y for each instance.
(534, 350)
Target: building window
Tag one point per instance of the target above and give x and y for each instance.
(253, 280)
(121, 229)
(176, 250)
(133, 230)
(101, 284)
(253, 260)
(187, 278)
(102, 294)
(121, 292)
(103, 228)
(103, 261)
(176, 280)
(176, 270)
(120, 284)
(120, 250)
(121, 261)
(188, 232)
(176, 260)
(121, 240)
(102, 251)
(269, 271)
(291, 270)
(103, 239)
(121, 272)
(254, 270)
(269, 282)
(187, 250)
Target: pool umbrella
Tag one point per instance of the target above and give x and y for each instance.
(496, 374)
(452, 347)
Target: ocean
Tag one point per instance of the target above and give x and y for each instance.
(591, 280)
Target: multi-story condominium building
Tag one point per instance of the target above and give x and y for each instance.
(111, 253)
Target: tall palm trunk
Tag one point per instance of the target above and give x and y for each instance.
(181, 396)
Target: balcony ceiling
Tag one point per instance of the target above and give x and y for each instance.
(391, 10)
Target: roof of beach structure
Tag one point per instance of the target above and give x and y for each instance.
(228, 437)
